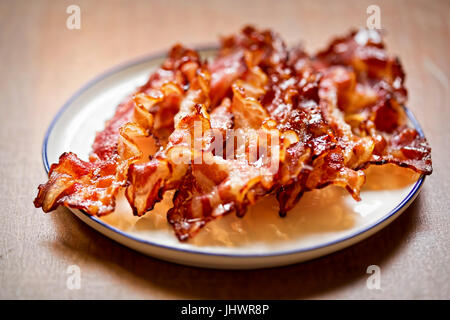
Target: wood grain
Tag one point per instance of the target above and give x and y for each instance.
(42, 63)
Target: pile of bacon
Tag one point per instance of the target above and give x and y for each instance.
(334, 114)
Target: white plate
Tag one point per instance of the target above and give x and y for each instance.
(324, 221)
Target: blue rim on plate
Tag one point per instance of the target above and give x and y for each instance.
(200, 48)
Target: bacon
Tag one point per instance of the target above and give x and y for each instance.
(148, 181)
(81, 185)
(93, 186)
(227, 182)
(360, 90)
(218, 187)
(257, 120)
(264, 47)
(369, 86)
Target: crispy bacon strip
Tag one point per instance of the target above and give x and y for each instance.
(360, 90)
(369, 86)
(230, 183)
(93, 186)
(148, 181)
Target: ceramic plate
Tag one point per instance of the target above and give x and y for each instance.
(324, 221)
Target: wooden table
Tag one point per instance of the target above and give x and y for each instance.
(42, 63)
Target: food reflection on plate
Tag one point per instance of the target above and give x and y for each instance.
(329, 209)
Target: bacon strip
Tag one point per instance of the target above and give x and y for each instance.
(93, 186)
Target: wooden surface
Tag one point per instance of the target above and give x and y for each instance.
(42, 63)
